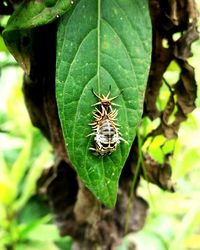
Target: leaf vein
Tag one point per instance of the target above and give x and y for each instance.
(70, 67)
(75, 117)
(123, 44)
(127, 52)
(128, 20)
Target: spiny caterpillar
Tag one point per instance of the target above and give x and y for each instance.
(105, 129)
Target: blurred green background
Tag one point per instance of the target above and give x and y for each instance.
(25, 221)
(173, 221)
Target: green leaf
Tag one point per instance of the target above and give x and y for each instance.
(34, 13)
(25, 230)
(2, 45)
(31, 179)
(21, 164)
(101, 44)
(32, 245)
(64, 243)
(35, 208)
(155, 148)
(29, 15)
(8, 190)
(49, 231)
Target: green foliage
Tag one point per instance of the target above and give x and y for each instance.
(29, 15)
(106, 50)
(174, 219)
(2, 45)
(34, 13)
(24, 219)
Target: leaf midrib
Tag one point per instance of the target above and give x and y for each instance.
(98, 45)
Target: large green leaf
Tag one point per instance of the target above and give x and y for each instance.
(101, 43)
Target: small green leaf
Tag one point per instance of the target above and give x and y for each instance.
(34, 13)
(100, 44)
(29, 15)
(2, 46)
